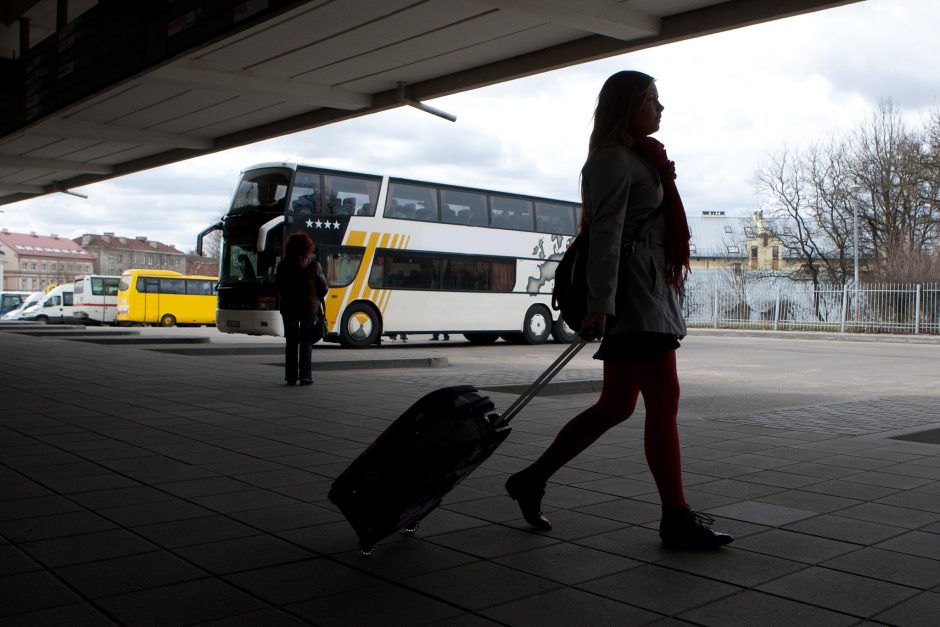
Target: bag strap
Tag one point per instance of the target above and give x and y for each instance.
(643, 232)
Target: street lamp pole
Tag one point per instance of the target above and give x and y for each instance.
(855, 189)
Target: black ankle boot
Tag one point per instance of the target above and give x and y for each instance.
(528, 494)
(685, 529)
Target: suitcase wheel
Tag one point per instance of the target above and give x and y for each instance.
(412, 529)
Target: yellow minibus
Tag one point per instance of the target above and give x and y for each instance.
(165, 298)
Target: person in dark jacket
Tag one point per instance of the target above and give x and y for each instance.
(301, 286)
(635, 280)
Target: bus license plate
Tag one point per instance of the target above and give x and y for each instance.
(233, 323)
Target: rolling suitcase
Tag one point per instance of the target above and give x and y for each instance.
(427, 451)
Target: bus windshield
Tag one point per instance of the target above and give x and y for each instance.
(261, 190)
(241, 261)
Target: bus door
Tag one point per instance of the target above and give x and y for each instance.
(149, 295)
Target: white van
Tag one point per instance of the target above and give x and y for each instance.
(11, 300)
(57, 307)
(16, 314)
(95, 298)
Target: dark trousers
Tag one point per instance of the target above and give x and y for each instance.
(299, 344)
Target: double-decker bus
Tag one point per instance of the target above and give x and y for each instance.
(400, 255)
(165, 298)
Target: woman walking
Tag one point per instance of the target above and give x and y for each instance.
(638, 261)
(301, 286)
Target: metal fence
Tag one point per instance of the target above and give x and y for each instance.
(865, 308)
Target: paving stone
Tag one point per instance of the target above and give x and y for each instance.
(238, 554)
(284, 517)
(388, 604)
(229, 502)
(153, 513)
(623, 510)
(410, 557)
(920, 543)
(34, 507)
(762, 513)
(738, 489)
(13, 561)
(76, 614)
(658, 589)
(87, 547)
(193, 531)
(480, 585)
(793, 546)
(847, 489)
(492, 541)
(568, 563)
(739, 568)
(846, 529)
(568, 607)
(285, 584)
(128, 574)
(54, 526)
(914, 500)
(810, 501)
(908, 570)
(270, 616)
(188, 603)
(750, 608)
(920, 611)
(30, 591)
(890, 515)
(838, 591)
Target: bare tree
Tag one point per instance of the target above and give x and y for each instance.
(897, 173)
(811, 207)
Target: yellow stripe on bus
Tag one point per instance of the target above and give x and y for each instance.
(365, 267)
(368, 293)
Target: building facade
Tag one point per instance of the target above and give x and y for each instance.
(735, 244)
(115, 254)
(32, 262)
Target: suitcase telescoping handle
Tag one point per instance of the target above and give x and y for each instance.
(542, 380)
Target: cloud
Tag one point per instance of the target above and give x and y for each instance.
(730, 99)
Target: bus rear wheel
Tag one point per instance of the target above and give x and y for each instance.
(481, 338)
(537, 325)
(168, 320)
(360, 326)
(562, 333)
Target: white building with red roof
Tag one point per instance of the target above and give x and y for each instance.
(32, 262)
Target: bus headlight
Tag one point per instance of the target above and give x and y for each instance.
(267, 303)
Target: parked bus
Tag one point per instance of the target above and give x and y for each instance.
(165, 298)
(95, 298)
(401, 256)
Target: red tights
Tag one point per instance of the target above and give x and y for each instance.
(658, 382)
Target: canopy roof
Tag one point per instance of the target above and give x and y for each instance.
(92, 90)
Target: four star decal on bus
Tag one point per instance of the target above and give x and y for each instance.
(327, 224)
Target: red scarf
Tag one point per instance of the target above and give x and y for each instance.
(677, 228)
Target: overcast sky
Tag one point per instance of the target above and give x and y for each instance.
(730, 99)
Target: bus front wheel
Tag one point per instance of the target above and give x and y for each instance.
(168, 320)
(537, 325)
(360, 327)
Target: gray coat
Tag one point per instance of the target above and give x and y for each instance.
(622, 191)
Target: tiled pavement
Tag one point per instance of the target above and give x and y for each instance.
(139, 487)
